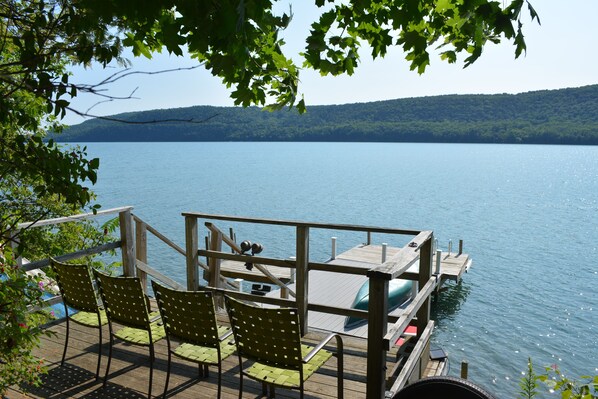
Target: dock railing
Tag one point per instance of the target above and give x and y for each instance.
(126, 242)
(381, 338)
(132, 244)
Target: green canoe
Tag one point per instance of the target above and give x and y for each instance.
(399, 291)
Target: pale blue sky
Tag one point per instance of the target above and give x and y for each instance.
(562, 52)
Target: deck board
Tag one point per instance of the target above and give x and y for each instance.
(130, 371)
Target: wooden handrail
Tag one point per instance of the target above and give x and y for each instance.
(292, 223)
(160, 236)
(402, 260)
(73, 218)
(159, 276)
(73, 255)
(288, 263)
(287, 303)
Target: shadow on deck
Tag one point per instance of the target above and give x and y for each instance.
(130, 371)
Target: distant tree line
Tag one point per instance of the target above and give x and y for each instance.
(566, 116)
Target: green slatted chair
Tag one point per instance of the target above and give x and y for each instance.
(127, 305)
(76, 288)
(271, 340)
(190, 317)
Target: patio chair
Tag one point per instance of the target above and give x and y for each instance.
(79, 295)
(127, 305)
(190, 318)
(271, 340)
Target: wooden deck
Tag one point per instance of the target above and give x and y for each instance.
(452, 265)
(130, 371)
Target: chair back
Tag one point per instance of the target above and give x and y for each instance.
(188, 315)
(124, 300)
(268, 335)
(76, 285)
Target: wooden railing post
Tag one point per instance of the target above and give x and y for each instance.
(191, 248)
(425, 272)
(127, 242)
(302, 259)
(377, 328)
(214, 263)
(141, 249)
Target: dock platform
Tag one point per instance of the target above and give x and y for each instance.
(339, 290)
(452, 265)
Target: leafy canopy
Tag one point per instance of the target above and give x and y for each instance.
(239, 40)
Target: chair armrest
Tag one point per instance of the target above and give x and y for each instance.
(225, 335)
(317, 348)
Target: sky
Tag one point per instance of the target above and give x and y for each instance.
(561, 52)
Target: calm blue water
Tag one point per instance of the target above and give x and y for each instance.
(528, 216)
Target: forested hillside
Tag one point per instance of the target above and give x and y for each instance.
(566, 116)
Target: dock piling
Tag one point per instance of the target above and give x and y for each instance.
(460, 247)
(233, 237)
(293, 277)
(333, 253)
(464, 369)
(384, 247)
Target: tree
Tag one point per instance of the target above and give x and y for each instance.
(237, 40)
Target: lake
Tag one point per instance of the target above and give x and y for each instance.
(528, 216)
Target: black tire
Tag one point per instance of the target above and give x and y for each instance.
(443, 387)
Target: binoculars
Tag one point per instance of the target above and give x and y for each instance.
(255, 248)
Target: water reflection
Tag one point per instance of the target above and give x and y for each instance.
(449, 301)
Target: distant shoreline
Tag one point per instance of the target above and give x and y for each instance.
(564, 116)
(327, 142)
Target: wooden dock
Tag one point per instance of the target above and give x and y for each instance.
(452, 265)
(340, 289)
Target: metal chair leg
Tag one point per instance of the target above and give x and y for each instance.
(109, 359)
(66, 339)
(99, 349)
(149, 391)
(219, 379)
(241, 385)
(167, 374)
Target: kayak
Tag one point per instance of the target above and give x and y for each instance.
(399, 291)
